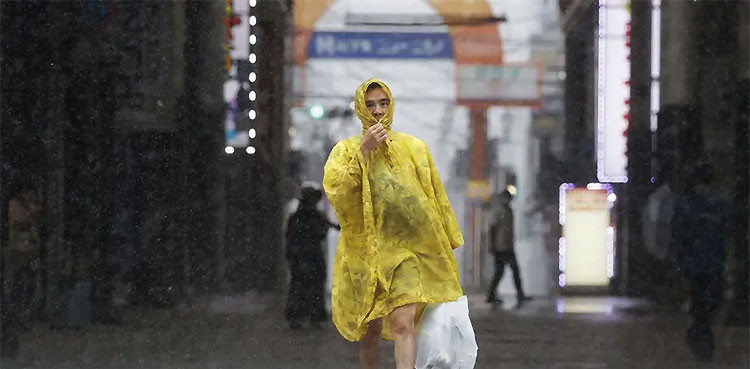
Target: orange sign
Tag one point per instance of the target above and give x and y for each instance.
(477, 44)
(472, 43)
(581, 199)
(301, 45)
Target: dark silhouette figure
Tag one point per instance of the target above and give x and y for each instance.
(699, 226)
(21, 272)
(502, 245)
(306, 231)
(24, 255)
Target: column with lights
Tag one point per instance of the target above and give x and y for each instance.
(240, 88)
(252, 76)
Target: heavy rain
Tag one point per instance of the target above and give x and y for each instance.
(515, 184)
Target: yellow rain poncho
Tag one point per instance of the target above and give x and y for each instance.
(398, 230)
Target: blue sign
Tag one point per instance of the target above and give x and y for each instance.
(380, 45)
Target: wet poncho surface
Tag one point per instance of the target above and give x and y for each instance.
(398, 227)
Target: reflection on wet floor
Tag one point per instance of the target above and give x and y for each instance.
(605, 306)
(599, 305)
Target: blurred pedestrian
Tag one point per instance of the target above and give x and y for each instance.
(23, 266)
(700, 226)
(21, 279)
(502, 246)
(667, 288)
(395, 253)
(306, 230)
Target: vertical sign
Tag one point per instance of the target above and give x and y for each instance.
(613, 91)
(586, 250)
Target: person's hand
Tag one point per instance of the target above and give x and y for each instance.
(372, 138)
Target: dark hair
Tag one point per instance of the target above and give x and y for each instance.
(373, 86)
(309, 196)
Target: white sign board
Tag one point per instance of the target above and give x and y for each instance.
(613, 91)
(586, 248)
(498, 84)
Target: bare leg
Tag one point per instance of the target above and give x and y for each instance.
(369, 346)
(402, 328)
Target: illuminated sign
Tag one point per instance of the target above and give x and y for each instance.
(587, 248)
(613, 91)
(380, 45)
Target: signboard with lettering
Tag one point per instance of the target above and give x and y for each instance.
(380, 45)
(498, 84)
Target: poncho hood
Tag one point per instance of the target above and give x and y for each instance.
(360, 107)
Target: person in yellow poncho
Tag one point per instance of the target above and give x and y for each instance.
(398, 232)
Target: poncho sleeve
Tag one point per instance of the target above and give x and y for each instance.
(342, 182)
(450, 224)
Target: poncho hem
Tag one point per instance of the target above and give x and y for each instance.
(392, 305)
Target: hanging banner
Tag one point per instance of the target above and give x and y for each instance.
(380, 45)
(498, 84)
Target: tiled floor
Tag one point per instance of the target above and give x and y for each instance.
(238, 332)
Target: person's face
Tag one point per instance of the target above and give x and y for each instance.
(377, 102)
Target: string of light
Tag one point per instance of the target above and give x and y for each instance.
(252, 77)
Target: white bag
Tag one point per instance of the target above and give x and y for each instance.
(445, 337)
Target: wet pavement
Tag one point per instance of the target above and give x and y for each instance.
(248, 332)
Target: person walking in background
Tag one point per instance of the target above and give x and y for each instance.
(502, 245)
(22, 277)
(656, 218)
(23, 268)
(306, 230)
(699, 227)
